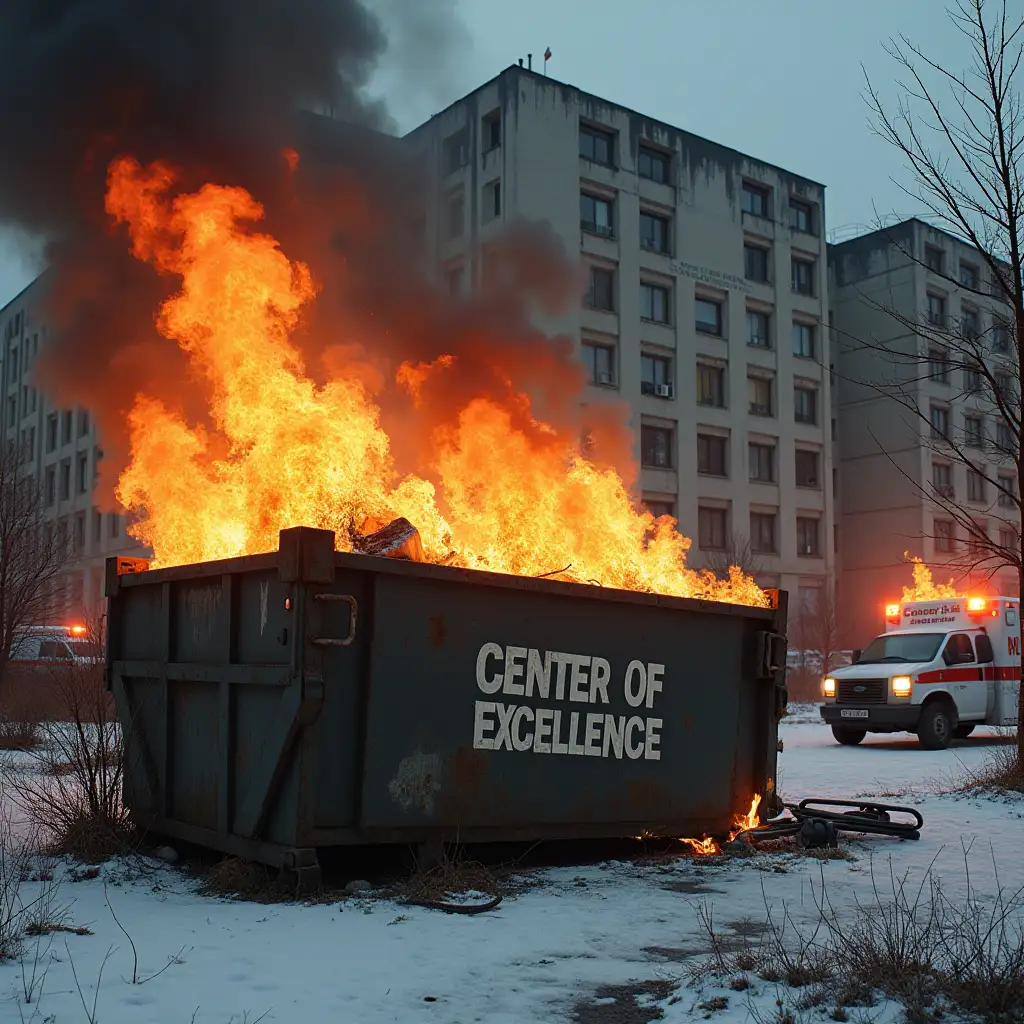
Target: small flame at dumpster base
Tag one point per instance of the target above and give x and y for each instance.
(743, 822)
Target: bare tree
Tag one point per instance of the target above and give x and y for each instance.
(961, 135)
(33, 553)
(816, 632)
(738, 551)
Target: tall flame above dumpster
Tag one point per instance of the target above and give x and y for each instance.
(506, 492)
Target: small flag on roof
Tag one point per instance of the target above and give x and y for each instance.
(547, 53)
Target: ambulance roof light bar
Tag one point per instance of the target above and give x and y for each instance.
(892, 613)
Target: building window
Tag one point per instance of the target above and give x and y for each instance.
(655, 233)
(115, 524)
(65, 480)
(83, 423)
(759, 393)
(756, 199)
(971, 323)
(801, 216)
(654, 303)
(1005, 440)
(758, 335)
(1008, 539)
(51, 432)
(51, 485)
(69, 426)
(601, 291)
(936, 309)
(659, 507)
(762, 462)
(763, 532)
(653, 164)
(945, 538)
(82, 473)
(711, 385)
(969, 276)
(807, 537)
(97, 525)
(1007, 490)
(975, 485)
(755, 263)
(455, 277)
(712, 452)
(490, 134)
(1004, 387)
(492, 200)
(596, 145)
(803, 276)
(12, 410)
(600, 361)
(455, 151)
(804, 340)
(808, 468)
(1000, 338)
(972, 381)
(712, 526)
(596, 215)
(455, 215)
(934, 258)
(656, 376)
(974, 431)
(938, 365)
(805, 405)
(942, 479)
(939, 416)
(79, 534)
(656, 447)
(708, 316)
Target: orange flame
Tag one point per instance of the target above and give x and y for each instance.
(283, 451)
(924, 589)
(707, 846)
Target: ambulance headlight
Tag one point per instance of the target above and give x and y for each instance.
(901, 686)
(828, 687)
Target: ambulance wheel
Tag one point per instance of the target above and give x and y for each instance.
(848, 737)
(961, 732)
(935, 727)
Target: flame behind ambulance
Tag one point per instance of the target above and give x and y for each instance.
(940, 669)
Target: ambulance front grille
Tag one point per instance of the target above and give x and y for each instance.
(861, 691)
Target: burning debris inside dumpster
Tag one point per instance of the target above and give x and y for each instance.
(281, 450)
(924, 588)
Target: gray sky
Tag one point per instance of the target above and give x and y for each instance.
(781, 81)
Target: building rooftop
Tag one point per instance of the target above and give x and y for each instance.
(726, 152)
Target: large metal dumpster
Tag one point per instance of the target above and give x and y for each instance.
(278, 703)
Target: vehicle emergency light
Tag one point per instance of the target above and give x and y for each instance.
(77, 630)
(892, 613)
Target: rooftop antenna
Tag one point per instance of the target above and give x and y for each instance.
(529, 62)
(520, 61)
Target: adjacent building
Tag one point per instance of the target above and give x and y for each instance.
(62, 453)
(706, 308)
(890, 459)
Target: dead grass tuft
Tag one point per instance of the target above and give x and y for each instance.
(236, 878)
(455, 876)
(19, 735)
(1001, 772)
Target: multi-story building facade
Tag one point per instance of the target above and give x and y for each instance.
(706, 308)
(891, 460)
(61, 453)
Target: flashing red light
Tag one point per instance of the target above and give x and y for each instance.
(976, 604)
(77, 630)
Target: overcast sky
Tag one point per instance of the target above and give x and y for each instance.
(781, 81)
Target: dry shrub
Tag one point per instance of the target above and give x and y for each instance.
(18, 734)
(69, 786)
(932, 953)
(16, 853)
(1000, 772)
(455, 875)
(238, 878)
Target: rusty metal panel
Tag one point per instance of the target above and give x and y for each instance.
(493, 708)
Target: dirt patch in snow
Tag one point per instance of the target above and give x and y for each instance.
(635, 1003)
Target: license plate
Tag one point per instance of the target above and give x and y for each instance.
(847, 713)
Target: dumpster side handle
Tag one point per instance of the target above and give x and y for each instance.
(330, 641)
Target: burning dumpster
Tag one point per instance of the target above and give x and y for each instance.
(278, 703)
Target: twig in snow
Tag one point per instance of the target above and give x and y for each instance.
(90, 1016)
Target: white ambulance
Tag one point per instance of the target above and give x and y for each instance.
(940, 669)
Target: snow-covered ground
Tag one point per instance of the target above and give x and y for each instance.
(555, 950)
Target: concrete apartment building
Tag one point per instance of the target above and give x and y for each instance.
(62, 454)
(887, 462)
(705, 309)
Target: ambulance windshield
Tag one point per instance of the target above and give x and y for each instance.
(896, 647)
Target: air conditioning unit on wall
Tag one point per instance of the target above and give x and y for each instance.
(663, 390)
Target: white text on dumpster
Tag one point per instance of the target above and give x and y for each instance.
(578, 679)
